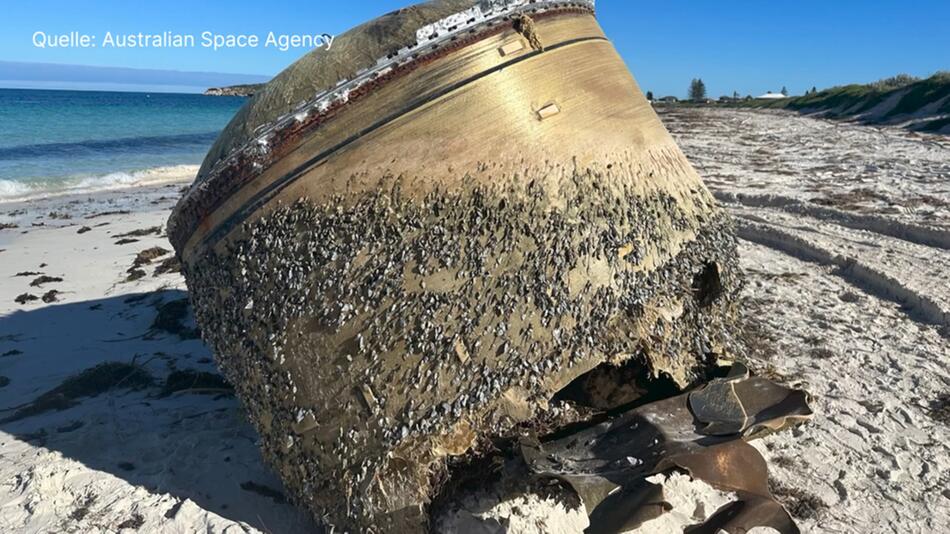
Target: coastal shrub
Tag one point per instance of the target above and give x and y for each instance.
(923, 93)
(854, 99)
(894, 82)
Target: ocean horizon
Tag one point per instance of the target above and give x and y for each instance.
(56, 141)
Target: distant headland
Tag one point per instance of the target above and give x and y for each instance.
(235, 90)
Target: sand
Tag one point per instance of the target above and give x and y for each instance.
(125, 459)
(843, 230)
(845, 245)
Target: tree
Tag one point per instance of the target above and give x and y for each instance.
(814, 89)
(650, 96)
(697, 90)
(735, 95)
(784, 91)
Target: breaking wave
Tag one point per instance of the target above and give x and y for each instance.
(13, 190)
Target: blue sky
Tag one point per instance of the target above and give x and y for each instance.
(744, 46)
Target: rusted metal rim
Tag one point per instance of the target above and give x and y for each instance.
(275, 140)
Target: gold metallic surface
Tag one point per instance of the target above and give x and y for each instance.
(590, 259)
(491, 119)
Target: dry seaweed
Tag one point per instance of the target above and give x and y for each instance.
(107, 213)
(134, 274)
(39, 281)
(850, 200)
(134, 523)
(172, 317)
(170, 265)
(105, 377)
(25, 297)
(83, 230)
(149, 254)
(51, 296)
(126, 241)
(264, 491)
(195, 381)
(142, 232)
(85, 506)
(940, 409)
(800, 503)
(784, 461)
(754, 341)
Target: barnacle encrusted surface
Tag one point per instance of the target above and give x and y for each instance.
(372, 335)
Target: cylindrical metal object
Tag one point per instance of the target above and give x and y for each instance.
(411, 241)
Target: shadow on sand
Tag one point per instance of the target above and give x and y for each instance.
(188, 445)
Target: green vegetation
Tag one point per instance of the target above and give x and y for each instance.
(906, 94)
(697, 90)
(236, 90)
(925, 92)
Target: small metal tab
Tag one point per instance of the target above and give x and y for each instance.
(511, 48)
(549, 110)
(369, 397)
(461, 351)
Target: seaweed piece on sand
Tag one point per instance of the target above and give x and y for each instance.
(149, 254)
(169, 265)
(105, 377)
(142, 232)
(195, 381)
(172, 318)
(134, 274)
(39, 281)
(25, 297)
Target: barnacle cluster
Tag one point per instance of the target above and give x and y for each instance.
(372, 335)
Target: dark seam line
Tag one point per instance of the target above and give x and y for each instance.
(278, 185)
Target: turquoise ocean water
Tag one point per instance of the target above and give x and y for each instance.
(64, 141)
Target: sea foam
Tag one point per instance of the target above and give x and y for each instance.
(15, 190)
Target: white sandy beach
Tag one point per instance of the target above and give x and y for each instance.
(127, 459)
(846, 246)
